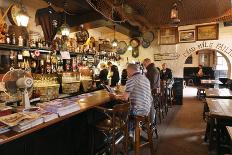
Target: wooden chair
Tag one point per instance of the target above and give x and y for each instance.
(143, 122)
(115, 125)
(201, 92)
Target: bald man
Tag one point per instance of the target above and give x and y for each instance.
(166, 73)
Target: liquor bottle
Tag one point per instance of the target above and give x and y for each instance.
(20, 39)
(68, 66)
(48, 64)
(7, 39)
(13, 40)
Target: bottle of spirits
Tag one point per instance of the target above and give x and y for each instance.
(20, 39)
(13, 40)
(7, 39)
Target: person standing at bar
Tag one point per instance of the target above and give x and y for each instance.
(115, 74)
(152, 74)
(103, 74)
(166, 73)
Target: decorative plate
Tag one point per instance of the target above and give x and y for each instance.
(145, 44)
(134, 42)
(82, 36)
(122, 47)
(148, 36)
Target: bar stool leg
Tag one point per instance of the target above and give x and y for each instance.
(126, 140)
(149, 135)
(137, 138)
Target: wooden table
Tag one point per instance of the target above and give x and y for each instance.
(211, 82)
(218, 93)
(220, 108)
(220, 115)
(98, 98)
(229, 130)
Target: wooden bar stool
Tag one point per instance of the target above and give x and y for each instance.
(143, 122)
(115, 125)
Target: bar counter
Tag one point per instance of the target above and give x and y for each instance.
(86, 105)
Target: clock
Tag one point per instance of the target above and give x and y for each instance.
(12, 13)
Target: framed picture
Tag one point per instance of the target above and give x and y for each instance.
(207, 32)
(168, 36)
(186, 36)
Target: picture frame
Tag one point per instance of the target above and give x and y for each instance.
(207, 32)
(168, 36)
(186, 36)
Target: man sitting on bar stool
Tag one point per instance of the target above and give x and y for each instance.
(138, 91)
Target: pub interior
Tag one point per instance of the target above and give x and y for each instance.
(99, 77)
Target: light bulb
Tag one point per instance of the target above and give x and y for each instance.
(22, 18)
(114, 44)
(65, 30)
(129, 48)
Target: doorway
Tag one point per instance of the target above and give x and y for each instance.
(215, 66)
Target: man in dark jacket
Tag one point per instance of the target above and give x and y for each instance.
(166, 73)
(115, 74)
(152, 74)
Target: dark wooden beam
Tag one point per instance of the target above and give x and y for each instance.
(78, 19)
(124, 28)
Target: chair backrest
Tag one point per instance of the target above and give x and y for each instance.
(121, 113)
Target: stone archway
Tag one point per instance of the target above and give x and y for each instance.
(224, 47)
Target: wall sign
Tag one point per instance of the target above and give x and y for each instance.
(222, 47)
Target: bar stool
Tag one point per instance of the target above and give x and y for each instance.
(157, 104)
(143, 122)
(170, 96)
(114, 125)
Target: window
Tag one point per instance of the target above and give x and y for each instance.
(221, 62)
(221, 66)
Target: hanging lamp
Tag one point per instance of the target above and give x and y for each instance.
(65, 29)
(114, 42)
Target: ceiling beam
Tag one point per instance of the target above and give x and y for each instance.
(124, 28)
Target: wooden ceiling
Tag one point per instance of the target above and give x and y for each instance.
(147, 14)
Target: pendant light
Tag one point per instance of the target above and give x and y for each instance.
(114, 42)
(22, 17)
(175, 13)
(65, 29)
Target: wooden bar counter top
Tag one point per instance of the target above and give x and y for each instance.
(98, 98)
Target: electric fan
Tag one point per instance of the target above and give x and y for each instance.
(18, 81)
